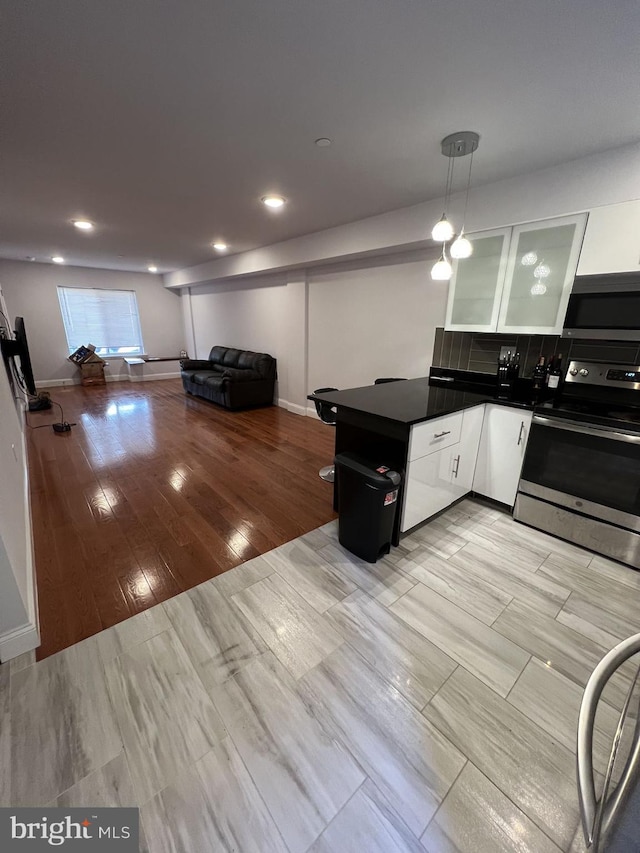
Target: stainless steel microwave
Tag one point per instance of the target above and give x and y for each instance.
(605, 307)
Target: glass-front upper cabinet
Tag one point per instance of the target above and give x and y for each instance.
(477, 283)
(543, 257)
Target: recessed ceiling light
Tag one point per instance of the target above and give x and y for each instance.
(57, 259)
(273, 201)
(152, 268)
(220, 247)
(323, 142)
(83, 224)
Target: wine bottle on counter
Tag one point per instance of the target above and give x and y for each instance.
(554, 376)
(550, 361)
(539, 375)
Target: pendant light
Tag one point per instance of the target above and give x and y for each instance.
(461, 246)
(443, 230)
(460, 144)
(441, 270)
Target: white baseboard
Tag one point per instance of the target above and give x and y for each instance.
(311, 412)
(294, 408)
(55, 383)
(17, 642)
(146, 378)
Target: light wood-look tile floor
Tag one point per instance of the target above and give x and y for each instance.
(307, 701)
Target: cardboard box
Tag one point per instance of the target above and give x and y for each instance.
(93, 380)
(85, 355)
(92, 373)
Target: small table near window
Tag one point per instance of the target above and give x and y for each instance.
(141, 367)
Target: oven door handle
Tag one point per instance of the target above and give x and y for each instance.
(596, 431)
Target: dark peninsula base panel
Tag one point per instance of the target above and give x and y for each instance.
(377, 440)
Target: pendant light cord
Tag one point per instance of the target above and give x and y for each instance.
(466, 201)
(447, 188)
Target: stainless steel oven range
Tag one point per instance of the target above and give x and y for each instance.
(581, 473)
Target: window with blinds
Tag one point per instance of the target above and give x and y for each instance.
(106, 318)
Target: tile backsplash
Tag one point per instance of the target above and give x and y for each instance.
(478, 351)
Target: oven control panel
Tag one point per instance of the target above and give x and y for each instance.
(605, 374)
(623, 375)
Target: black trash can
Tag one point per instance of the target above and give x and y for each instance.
(367, 505)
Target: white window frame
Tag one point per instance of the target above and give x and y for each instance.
(103, 348)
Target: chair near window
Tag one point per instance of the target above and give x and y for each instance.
(383, 379)
(327, 415)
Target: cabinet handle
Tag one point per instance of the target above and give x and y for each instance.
(521, 431)
(456, 462)
(440, 434)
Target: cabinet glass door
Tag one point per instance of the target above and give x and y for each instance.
(543, 258)
(477, 282)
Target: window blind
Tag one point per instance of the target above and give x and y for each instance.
(106, 318)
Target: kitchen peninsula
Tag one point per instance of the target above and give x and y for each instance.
(438, 431)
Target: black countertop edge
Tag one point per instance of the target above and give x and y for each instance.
(409, 402)
(460, 407)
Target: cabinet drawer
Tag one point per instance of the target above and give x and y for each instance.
(435, 435)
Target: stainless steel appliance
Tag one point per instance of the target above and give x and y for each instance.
(605, 307)
(580, 478)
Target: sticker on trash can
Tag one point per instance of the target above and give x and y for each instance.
(382, 469)
(391, 497)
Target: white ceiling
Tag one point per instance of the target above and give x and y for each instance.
(165, 121)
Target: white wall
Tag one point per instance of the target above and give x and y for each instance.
(263, 315)
(30, 292)
(18, 607)
(378, 321)
(345, 326)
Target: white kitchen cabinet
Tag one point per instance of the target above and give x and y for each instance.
(502, 444)
(429, 487)
(439, 477)
(466, 455)
(533, 303)
(477, 283)
(499, 288)
(612, 240)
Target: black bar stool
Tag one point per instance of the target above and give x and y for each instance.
(327, 415)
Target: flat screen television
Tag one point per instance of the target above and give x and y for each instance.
(15, 352)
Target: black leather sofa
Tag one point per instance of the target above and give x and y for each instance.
(236, 379)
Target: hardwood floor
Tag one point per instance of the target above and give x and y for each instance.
(154, 492)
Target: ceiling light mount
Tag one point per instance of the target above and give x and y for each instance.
(460, 144)
(220, 246)
(152, 268)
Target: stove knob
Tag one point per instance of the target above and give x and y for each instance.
(584, 372)
(574, 371)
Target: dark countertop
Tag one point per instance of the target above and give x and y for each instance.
(412, 401)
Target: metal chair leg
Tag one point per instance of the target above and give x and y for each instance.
(328, 473)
